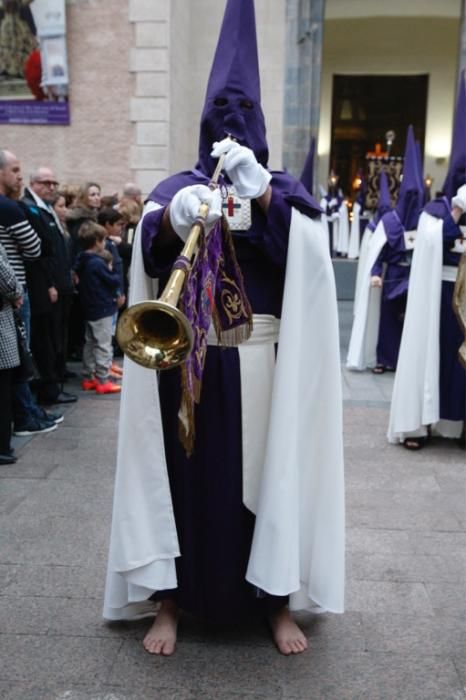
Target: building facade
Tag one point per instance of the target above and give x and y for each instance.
(138, 72)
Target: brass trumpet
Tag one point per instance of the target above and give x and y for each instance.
(155, 333)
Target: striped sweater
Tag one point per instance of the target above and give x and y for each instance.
(18, 237)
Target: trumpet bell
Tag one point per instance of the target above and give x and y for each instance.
(155, 334)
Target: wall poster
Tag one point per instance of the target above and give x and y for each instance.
(33, 62)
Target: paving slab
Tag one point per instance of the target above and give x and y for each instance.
(371, 676)
(40, 658)
(402, 636)
(52, 580)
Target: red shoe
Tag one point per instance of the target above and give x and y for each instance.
(89, 384)
(107, 387)
(116, 369)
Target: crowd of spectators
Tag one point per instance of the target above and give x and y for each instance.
(65, 255)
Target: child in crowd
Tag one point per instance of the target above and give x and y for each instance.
(99, 288)
(113, 222)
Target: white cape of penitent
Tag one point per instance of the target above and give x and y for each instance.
(353, 248)
(415, 399)
(298, 545)
(342, 241)
(362, 350)
(363, 250)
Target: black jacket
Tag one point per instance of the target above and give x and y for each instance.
(41, 274)
(61, 243)
(98, 286)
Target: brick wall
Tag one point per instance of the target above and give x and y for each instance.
(97, 143)
(138, 72)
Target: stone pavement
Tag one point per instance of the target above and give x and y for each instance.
(402, 637)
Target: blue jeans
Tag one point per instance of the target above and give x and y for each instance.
(24, 404)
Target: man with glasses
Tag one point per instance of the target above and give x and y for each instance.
(48, 279)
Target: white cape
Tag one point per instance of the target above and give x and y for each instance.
(415, 398)
(362, 350)
(363, 250)
(298, 545)
(353, 247)
(342, 238)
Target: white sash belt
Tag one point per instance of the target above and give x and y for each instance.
(265, 331)
(257, 365)
(449, 273)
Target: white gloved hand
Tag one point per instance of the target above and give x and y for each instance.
(459, 200)
(184, 207)
(247, 175)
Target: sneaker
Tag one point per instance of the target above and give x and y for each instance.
(7, 459)
(50, 416)
(57, 418)
(34, 427)
(116, 369)
(107, 387)
(89, 384)
(114, 375)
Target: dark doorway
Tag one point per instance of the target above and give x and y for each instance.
(364, 109)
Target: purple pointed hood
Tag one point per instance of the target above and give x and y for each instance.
(307, 176)
(385, 202)
(456, 175)
(232, 102)
(411, 196)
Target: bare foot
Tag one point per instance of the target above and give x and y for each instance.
(286, 633)
(161, 638)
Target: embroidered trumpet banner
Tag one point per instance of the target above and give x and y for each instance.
(213, 293)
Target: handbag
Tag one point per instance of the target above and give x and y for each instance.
(27, 369)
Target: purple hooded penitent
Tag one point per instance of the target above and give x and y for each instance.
(232, 102)
(384, 204)
(385, 201)
(411, 196)
(456, 175)
(307, 176)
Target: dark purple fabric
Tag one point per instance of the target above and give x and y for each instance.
(385, 202)
(440, 208)
(232, 102)
(390, 331)
(452, 373)
(394, 291)
(456, 175)
(395, 231)
(261, 251)
(214, 528)
(411, 196)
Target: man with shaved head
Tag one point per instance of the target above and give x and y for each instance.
(133, 191)
(23, 246)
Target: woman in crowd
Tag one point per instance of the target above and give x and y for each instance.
(62, 308)
(85, 209)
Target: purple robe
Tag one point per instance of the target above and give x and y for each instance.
(394, 290)
(452, 373)
(214, 527)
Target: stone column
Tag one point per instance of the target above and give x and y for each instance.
(149, 104)
(462, 52)
(305, 23)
